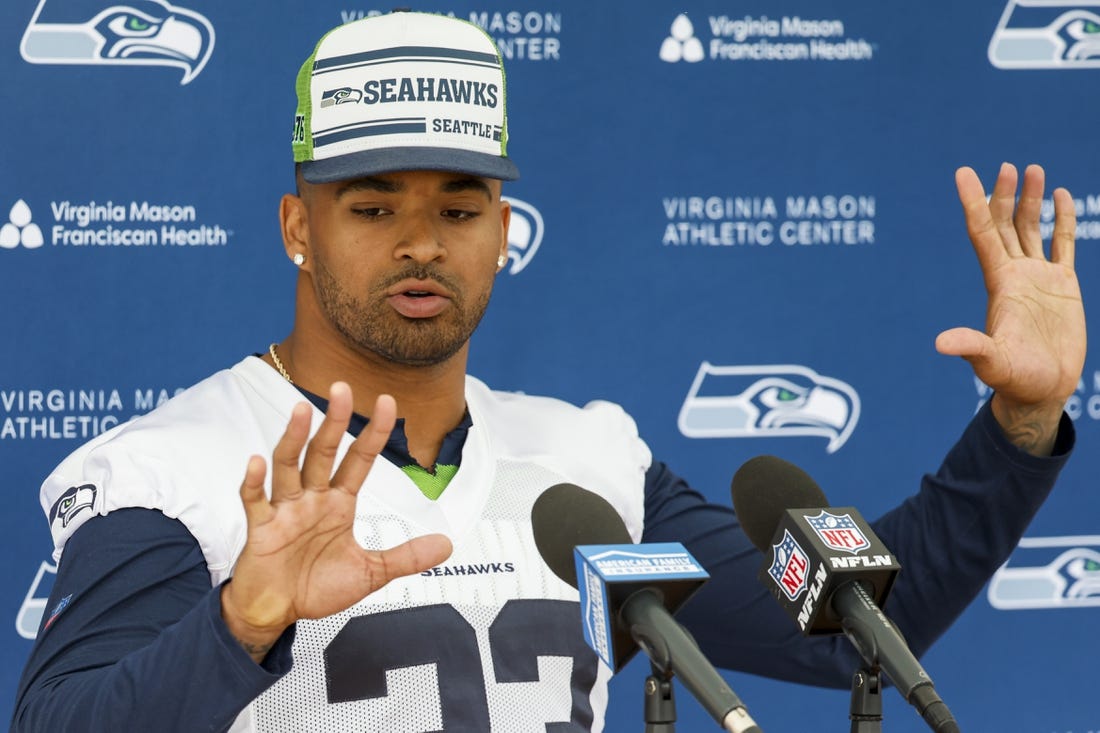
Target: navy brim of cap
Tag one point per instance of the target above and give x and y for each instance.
(390, 160)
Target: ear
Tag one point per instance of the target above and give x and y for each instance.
(505, 218)
(294, 222)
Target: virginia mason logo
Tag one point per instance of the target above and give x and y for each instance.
(146, 33)
(764, 38)
(109, 224)
(20, 230)
(1047, 34)
(681, 44)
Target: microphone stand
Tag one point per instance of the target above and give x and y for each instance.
(652, 628)
(660, 705)
(866, 708)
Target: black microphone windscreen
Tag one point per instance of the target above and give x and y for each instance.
(565, 516)
(765, 487)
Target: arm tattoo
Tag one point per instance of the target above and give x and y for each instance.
(1030, 429)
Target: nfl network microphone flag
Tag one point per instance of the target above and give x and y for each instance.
(813, 552)
(608, 574)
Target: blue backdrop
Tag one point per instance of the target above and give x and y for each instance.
(713, 192)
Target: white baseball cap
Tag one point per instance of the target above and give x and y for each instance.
(402, 91)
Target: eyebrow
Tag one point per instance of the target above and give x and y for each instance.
(381, 185)
(467, 184)
(368, 184)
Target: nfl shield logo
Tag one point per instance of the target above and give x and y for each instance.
(789, 566)
(839, 532)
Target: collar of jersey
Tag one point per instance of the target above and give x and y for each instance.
(431, 483)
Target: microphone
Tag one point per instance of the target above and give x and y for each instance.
(830, 573)
(628, 587)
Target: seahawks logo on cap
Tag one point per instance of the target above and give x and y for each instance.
(343, 95)
(137, 33)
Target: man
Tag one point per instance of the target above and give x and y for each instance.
(380, 573)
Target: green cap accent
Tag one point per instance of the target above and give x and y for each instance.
(301, 141)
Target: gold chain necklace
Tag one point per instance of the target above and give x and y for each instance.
(278, 363)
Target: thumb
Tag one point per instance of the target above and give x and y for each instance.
(977, 348)
(415, 556)
(965, 342)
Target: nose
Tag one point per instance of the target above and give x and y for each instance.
(420, 240)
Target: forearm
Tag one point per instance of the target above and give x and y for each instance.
(950, 538)
(964, 523)
(733, 617)
(192, 677)
(141, 639)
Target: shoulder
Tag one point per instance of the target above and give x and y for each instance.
(185, 458)
(524, 422)
(595, 446)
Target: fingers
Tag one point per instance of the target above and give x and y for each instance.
(257, 509)
(1065, 229)
(321, 452)
(366, 447)
(1002, 203)
(286, 479)
(1010, 225)
(979, 221)
(289, 479)
(1026, 220)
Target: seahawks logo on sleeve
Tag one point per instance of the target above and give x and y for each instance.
(71, 503)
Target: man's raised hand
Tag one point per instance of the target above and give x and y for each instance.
(1032, 352)
(300, 559)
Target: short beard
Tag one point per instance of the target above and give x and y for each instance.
(372, 325)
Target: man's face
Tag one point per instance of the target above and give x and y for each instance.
(403, 263)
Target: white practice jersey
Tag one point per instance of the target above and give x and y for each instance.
(489, 640)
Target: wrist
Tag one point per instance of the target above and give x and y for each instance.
(1032, 428)
(253, 626)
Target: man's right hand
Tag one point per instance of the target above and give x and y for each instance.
(301, 560)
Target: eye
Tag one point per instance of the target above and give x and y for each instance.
(67, 503)
(460, 214)
(135, 23)
(370, 212)
(785, 395)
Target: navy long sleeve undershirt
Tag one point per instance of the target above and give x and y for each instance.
(142, 644)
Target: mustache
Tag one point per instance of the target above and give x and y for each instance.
(422, 271)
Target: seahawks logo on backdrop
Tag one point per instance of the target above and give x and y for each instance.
(1047, 34)
(136, 33)
(29, 617)
(524, 234)
(1049, 572)
(768, 401)
(75, 500)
